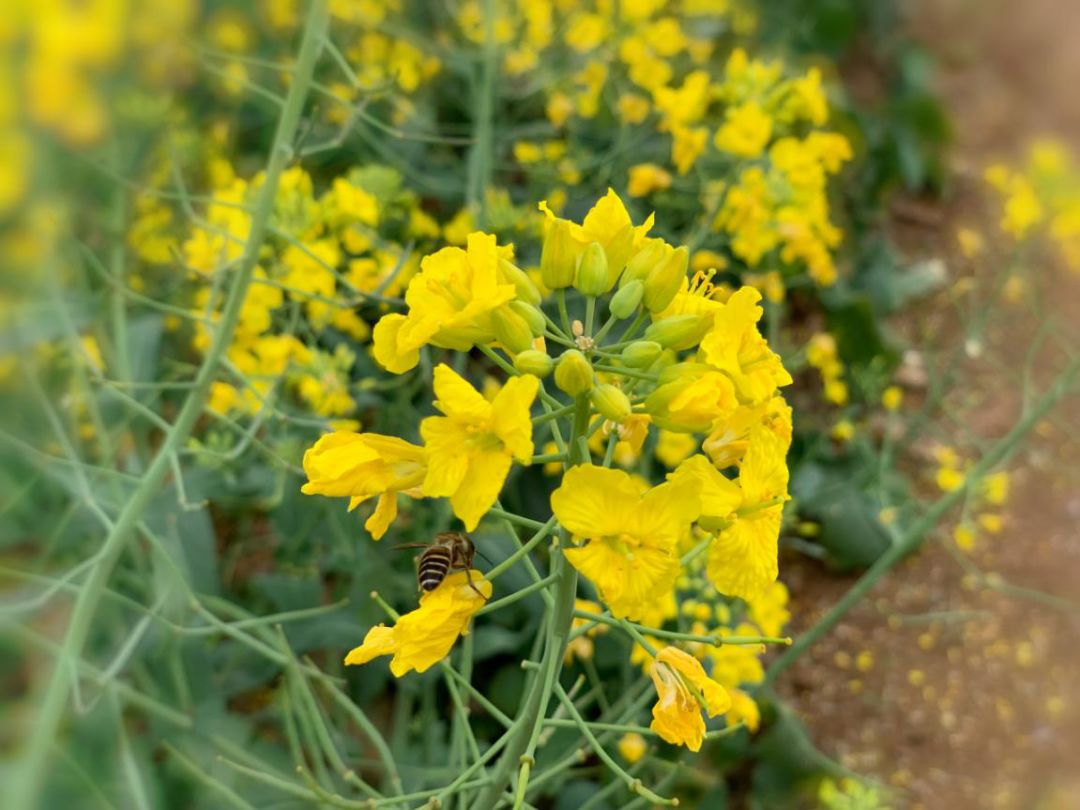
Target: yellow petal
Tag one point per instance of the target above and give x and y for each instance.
(385, 345)
(629, 583)
(378, 641)
(743, 558)
(446, 463)
(593, 501)
(720, 496)
(480, 487)
(456, 397)
(383, 516)
(511, 418)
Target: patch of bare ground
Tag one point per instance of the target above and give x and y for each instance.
(957, 679)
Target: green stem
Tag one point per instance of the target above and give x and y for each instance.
(914, 536)
(525, 733)
(26, 786)
(480, 157)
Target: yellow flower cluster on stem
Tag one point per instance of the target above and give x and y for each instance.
(682, 363)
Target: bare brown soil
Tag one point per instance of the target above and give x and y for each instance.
(958, 680)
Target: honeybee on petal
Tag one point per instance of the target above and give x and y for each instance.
(449, 551)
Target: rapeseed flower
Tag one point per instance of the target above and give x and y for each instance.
(742, 558)
(469, 450)
(360, 466)
(423, 637)
(631, 533)
(450, 304)
(683, 690)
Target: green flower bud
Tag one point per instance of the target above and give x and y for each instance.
(511, 330)
(642, 263)
(626, 300)
(592, 272)
(673, 330)
(611, 402)
(534, 362)
(557, 256)
(641, 353)
(573, 373)
(533, 316)
(526, 290)
(664, 281)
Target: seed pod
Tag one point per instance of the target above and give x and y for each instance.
(626, 300)
(511, 330)
(533, 316)
(663, 283)
(573, 373)
(534, 362)
(592, 272)
(557, 256)
(526, 290)
(611, 402)
(642, 263)
(641, 353)
(674, 329)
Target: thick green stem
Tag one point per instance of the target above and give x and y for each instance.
(529, 723)
(914, 536)
(27, 780)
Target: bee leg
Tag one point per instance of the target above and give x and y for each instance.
(468, 578)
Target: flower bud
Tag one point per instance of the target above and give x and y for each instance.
(663, 283)
(526, 290)
(557, 256)
(511, 330)
(626, 300)
(573, 373)
(674, 329)
(592, 272)
(533, 316)
(534, 362)
(641, 353)
(611, 402)
(642, 263)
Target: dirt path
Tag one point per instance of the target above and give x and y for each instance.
(965, 696)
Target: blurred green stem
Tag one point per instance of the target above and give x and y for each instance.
(479, 176)
(27, 782)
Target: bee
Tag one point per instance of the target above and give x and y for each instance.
(449, 551)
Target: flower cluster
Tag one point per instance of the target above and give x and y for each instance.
(698, 107)
(1041, 197)
(683, 364)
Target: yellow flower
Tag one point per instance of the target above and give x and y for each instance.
(687, 144)
(631, 534)
(720, 496)
(632, 747)
(892, 398)
(582, 647)
(608, 222)
(450, 303)
(744, 709)
(745, 132)
(423, 637)
(360, 466)
(683, 690)
(735, 346)
(995, 488)
(645, 178)
(469, 450)
(692, 398)
(743, 558)
(672, 447)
